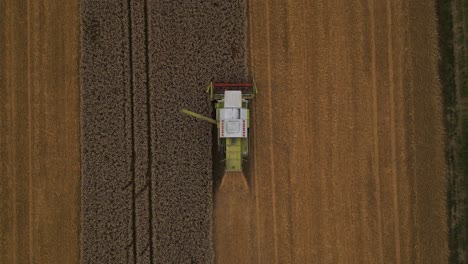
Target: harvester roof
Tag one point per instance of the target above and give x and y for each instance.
(232, 99)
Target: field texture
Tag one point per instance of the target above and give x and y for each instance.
(348, 162)
(39, 132)
(147, 169)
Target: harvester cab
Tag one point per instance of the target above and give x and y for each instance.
(232, 119)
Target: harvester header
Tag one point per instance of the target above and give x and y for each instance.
(216, 90)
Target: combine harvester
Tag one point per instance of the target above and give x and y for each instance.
(232, 120)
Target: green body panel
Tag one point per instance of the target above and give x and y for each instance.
(233, 154)
(245, 146)
(237, 150)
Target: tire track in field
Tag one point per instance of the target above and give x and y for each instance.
(30, 37)
(376, 167)
(255, 145)
(30, 183)
(149, 135)
(132, 128)
(393, 132)
(255, 155)
(273, 186)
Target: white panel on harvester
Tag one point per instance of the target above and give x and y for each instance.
(232, 99)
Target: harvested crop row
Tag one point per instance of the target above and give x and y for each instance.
(349, 161)
(39, 131)
(147, 170)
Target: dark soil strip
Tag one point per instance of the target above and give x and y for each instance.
(452, 67)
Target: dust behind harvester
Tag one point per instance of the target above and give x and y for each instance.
(231, 101)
